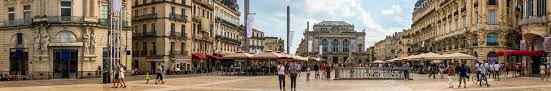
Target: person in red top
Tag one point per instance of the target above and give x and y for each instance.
(323, 68)
(451, 72)
(328, 73)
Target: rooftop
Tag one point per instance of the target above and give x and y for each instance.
(333, 23)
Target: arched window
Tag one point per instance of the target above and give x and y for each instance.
(492, 39)
(325, 45)
(335, 46)
(65, 37)
(19, 39)
(345, 45)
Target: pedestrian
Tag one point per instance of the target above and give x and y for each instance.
(497, 66)
(146, 77)
(441, 69)
(451, 72)
(542, 72)
(431, 72)
(484, 68)
(116, 76)
(323, 70)
(478, 67)
(281, 76)
(405, 68)
(337, 71)
(463, 71)
(328, 71)
(317, 71)
(122, 70)
(549, 70)
(308, 69)
(293, 69)
(158, 72)
(492, 70)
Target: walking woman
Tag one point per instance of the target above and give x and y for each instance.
(281, 76)
(542, 72)
(451, 72)
(122, 70)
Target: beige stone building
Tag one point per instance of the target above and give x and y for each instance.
(162, 34)
(203, 26)
(226, 26)
(274, 44)
(534, 24)
(256, 41)
(476, 27)
(338, 42)
(388, 48)
(57, 38)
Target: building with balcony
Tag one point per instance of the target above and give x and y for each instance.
(274, 44)
(339, 43)
(475, 27)
(47, 39)
(256, 41)
(533, 22)
(226, 26)
(162, 34)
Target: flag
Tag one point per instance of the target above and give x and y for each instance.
(291, 34)
(250, 21)
(310, 42)
(320, 49)
(116, 5)
(354, 45)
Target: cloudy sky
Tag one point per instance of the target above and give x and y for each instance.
(377, 17)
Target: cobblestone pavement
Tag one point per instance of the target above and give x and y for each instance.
(269, 83)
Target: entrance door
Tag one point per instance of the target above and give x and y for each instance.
(65, 63)
(19, 62)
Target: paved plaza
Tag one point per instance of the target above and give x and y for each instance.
(269, 83)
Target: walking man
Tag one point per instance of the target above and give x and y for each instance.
(484, 67)
(317, 71)
(405, 68)
(293, 68)
(451, 72)
(463, 71)
(281, 76)
(116, 72)
(158, 72)
(308, 69)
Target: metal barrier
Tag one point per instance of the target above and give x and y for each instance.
(363, 73)
(40, 75)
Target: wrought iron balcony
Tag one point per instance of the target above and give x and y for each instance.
(178, 35)
(149, 34)
(533, 20)
(145, 16)
(178, 17)
(18, 22)
(105, 22)
(227, 39)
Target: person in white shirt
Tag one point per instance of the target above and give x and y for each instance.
(497, 66)
(281, 75)
(492, 71)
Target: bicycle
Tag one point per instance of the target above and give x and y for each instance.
(474, 79)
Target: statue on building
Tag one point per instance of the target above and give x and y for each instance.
(92, 46)
(86, 40)
(45, 41)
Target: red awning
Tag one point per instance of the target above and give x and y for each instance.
(198, 56)
(520, 53)
(214, 57)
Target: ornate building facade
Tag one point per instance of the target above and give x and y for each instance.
(476, 27)
(226, 26)
(161, 34)
(338, 42)
(203, 26)
(58, 38)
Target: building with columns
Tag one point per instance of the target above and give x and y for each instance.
(202, 14)
(338, 42)
(161, 34)
(475, 27)
(534, 23)
(47, 39)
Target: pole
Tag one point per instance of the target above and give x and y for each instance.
(306, 38)
(288, 29)
(245, 32)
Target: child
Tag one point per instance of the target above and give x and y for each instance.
(146, 77)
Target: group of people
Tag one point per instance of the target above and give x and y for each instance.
(292, 69)
(545, 72)
(119, 71)
(159, 72)
(5, 77)
(484, 70)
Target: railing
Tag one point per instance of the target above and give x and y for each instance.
(227, 39)
(178, 17)
(137, 34)
(103, 21)
(65, 19)
(64, 40)
(145, 16)
(18, 22)
(368, 73)
(149, 34)
(39, 75)
(532, 20)
(178, 52)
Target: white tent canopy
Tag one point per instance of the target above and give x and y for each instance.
(460, 56)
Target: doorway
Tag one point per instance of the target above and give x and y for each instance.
(65, 63)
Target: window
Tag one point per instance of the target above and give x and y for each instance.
(11, 13)
(153, 10)
(492, 20)
(19, 39)
(464, 21)
(335, 46)
(154, 52)
(65, 8)
(492, 39)
(325, 45)
(476, 18)
(492, 2)
(172, 28)
(144, 1)
(153, 28)
(541, 10)
(335, 60)
(529, 7)
(172, 10)
(104, 11)
(475, 40)
(345, 45)
(183, 30)
(27, 11)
